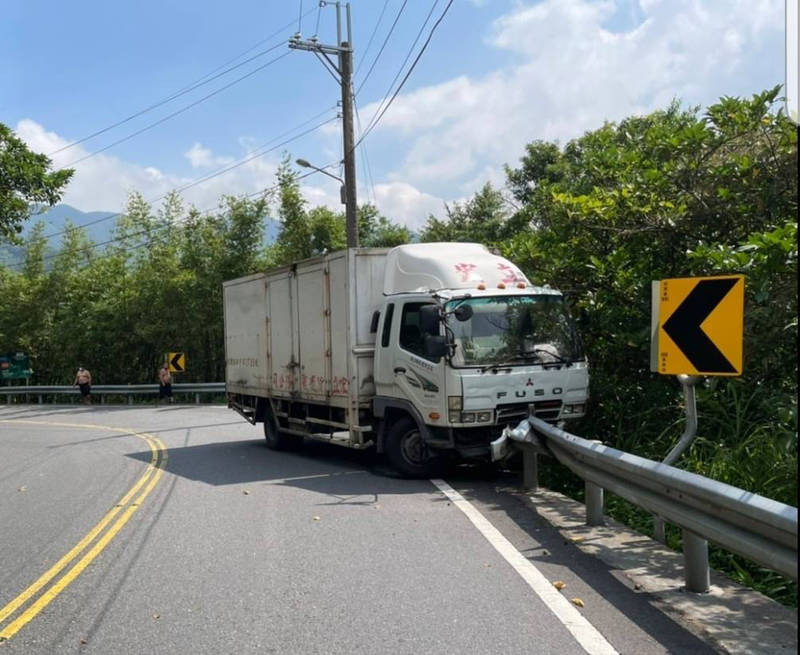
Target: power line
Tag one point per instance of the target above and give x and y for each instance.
(225, 169)
(157, 229)
(377, 117)
(380, 52)
(213, 75)
(180, 111)
(165, 228)
(408, 56)
(365, 159)
(371, 37)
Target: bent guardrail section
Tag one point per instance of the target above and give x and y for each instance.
(755, 527)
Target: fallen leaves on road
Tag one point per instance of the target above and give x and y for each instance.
(577, 601)
(558, 584)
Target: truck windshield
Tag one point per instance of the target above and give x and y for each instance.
(514, 330)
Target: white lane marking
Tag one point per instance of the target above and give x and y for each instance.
(584, 632)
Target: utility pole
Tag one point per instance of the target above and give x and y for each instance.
(344, 73)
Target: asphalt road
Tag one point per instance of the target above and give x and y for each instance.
(175, 530)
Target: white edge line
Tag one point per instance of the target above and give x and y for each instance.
(584, 632)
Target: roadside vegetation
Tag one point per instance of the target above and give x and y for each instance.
(679, 192)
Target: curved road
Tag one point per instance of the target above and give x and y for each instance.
(174, 530)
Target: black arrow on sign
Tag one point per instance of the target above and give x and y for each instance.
(683, 327)
(175, 362)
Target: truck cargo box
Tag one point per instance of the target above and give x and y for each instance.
(302, 332)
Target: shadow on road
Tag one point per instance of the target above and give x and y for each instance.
(318, 467)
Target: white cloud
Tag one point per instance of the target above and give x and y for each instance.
(406, 204)
(571, 71)
(570, 67)
(103, 182)
(200, 157)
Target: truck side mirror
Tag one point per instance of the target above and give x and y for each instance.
(463, 313)
(429, 319)
(436, 346)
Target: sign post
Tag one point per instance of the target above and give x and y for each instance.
(697, 329)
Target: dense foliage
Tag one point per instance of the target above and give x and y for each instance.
(670, 194)
(25, 183)
(674, 193)
(157, 286)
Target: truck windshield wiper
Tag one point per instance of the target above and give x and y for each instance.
(558, 358)
(523, 354)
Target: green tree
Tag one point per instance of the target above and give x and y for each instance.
(24, 183)
(484, 218)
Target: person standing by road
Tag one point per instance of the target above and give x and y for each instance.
(164, 384)
(83, 379)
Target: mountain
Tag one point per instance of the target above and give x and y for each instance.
(97, 229)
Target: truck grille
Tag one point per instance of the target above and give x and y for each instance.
(512, 413)
(547, 408)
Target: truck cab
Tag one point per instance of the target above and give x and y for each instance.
(465, 346)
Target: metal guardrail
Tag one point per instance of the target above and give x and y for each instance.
(104, 390)
(757, 528)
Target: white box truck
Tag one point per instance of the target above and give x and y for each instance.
(418, 350)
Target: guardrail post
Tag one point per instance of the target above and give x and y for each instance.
(695, 561)
(594, 504)
(530, 470)
(197, 398)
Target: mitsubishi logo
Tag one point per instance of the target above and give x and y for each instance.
(529, 383)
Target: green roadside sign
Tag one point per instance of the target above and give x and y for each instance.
(15, 366)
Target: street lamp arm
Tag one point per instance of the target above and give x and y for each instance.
(305, 164)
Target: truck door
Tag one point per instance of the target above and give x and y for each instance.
(417, 377)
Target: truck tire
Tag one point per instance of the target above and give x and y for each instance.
(406, 451)
(277, 440)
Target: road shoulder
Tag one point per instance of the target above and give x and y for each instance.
(725, 616)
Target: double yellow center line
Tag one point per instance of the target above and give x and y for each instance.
(95, 541)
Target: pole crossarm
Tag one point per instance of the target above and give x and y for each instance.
(315, 46)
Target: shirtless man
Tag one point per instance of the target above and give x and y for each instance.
(83, 379)
(164, 384)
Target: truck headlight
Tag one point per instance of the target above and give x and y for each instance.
(484, 417)
(455, 403)
(467, 417)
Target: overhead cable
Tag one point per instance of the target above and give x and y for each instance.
(208, 77)
(385, 41)
(220, 171)
(408, 56)
(181, 110)
(377, 116)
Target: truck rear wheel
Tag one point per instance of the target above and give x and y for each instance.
(277, 440)
(407, 452)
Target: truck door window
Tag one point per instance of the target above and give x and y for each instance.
(387, 325)
(411, 335)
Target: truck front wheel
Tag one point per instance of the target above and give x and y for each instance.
(407, 452)
(276, 440)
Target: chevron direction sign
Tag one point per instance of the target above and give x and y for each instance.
(698, 324)
(177, 362)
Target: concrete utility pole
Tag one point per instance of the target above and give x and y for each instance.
(344, 71)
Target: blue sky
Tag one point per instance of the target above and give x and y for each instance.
(496, 75)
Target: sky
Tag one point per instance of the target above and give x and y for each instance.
(496, 75)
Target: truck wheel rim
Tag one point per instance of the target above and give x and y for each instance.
(412, 447)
